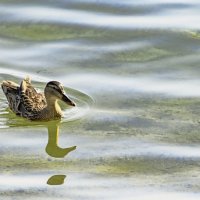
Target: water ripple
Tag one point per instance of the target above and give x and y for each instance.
(70, 16)
(144, 84)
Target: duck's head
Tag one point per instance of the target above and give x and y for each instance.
(54, 90)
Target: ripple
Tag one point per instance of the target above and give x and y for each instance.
(129, 56)
(36, 55)
(83, 102)
(92, 187)
(69, 16)
(144, 84)
(130, 2)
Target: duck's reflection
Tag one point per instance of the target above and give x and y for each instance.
(55, 151)
(52, 147)
(56, 180)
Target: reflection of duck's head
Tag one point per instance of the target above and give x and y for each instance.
(56, 180)
(54, 90)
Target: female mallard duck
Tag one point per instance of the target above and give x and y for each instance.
(25, 101)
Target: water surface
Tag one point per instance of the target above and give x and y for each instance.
(132, 67)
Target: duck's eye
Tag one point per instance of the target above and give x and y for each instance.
(54, 87)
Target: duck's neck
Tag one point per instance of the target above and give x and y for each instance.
(53, 109)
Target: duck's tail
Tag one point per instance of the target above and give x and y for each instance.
(11, 91)
(9, 87)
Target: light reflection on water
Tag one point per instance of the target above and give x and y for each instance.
(157, 85)
(144, 2)
(19, 55)
(139, 61)
(56, 15)
(83, 187)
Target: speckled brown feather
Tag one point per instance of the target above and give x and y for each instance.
(24, 100)
(11, 90)
(30, 98)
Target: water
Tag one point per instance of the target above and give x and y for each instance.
(132, 67)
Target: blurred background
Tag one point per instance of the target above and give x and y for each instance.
(132, 67)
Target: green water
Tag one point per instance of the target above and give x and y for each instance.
(132, 68)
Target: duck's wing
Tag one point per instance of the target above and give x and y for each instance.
(23, 99)
(30, 100)
(27, 88)
(11, 91)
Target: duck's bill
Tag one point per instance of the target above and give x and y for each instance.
(67, 100)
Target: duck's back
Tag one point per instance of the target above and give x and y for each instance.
(24, 100)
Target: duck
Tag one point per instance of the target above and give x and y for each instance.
(24, 100)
